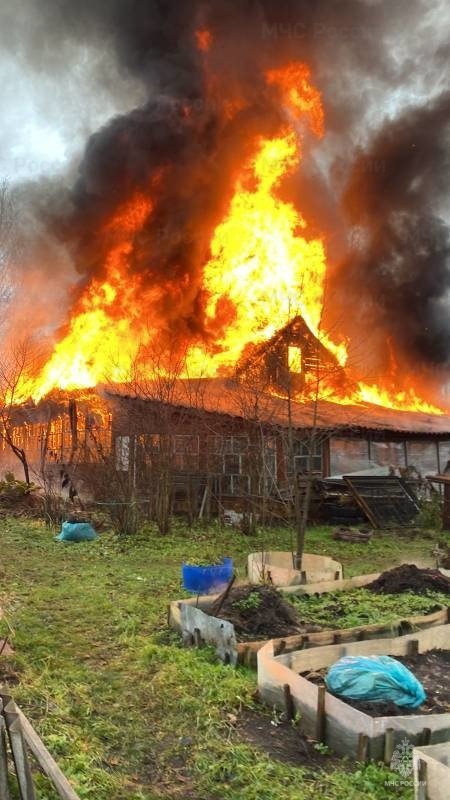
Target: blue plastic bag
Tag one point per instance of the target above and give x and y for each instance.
(207, 580)
(375, 678)
(76, 532)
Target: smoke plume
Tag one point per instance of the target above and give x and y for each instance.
(382, 168)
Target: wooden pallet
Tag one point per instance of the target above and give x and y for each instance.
(386, 500)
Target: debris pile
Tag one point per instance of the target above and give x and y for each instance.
(409, 578)
(345, 534)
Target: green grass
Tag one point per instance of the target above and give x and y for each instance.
(127, 712)
(362, 607)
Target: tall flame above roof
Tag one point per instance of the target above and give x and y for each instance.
(263, 267)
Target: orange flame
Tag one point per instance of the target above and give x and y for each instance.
(263, 272)
(298, 94)
(101, 331)
(203, 38)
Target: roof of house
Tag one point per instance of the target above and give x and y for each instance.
(226, 396)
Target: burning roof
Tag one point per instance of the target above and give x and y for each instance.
(227, 396)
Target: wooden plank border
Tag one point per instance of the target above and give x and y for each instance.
(345, 725)
(187, 615)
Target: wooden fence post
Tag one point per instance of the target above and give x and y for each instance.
(321, 718)
(388, 745)
(4, 789)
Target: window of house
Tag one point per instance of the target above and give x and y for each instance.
(269, 465)
(388, 454)
(185, 452)
(294, 359)
(122, 453)
(303, 449)
(148, 448)
(226, 458)
(235, 484)
(182, 450)
(423, 456)
(349, 455)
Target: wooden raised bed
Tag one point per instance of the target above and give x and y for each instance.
(347, 730)
(432, 772)
(332, 586)
(276, 567)
(190, 618)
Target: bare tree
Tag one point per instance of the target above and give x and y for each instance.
(17, 364)
(156, 443)
(326, 378)
(252, 399)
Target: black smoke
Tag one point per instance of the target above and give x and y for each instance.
(397, 196)
(385, 178)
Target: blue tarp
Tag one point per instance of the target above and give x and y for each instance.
(76, 532)
(375, 678)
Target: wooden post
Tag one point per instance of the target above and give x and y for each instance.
(20, 756)
(412, 647)
(363, 747)
(203, 503)
(40, 752)
(288, 702)
(425, 737)
(388, 745)
(422, 780)
(321, 718)
(280, 647)
(197, 637)
(4, 790)
(446, 508)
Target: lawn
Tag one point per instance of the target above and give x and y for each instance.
(127, 712)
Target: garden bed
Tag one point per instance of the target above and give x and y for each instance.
(347, 730)
(252, 615)
(432, 771)
(277, 567)
(431, 669)
(359, 607)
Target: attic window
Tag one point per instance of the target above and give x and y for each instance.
(294, 359)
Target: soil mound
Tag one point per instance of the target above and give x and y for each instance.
(259, 612)
(408, 577)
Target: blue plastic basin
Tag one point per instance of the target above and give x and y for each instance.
(207, 580)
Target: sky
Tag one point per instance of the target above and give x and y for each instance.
(52, 101)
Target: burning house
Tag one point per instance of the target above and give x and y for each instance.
(200, 339)
(217, 443)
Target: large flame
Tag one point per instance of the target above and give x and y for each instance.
(263, 271)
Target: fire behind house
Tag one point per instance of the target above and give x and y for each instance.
(219, 443)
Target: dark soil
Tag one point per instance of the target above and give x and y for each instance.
(408, 577)
(282, 741)
(259, 612)
(432, 669)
